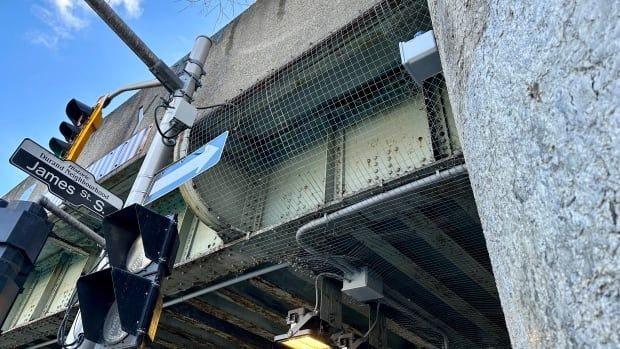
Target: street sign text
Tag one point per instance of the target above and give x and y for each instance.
(65, 179)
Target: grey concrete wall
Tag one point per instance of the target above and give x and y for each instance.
(265, 37)
(118, 125)
(535, 87)
(19, 189)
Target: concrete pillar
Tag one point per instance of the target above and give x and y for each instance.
(536, 87)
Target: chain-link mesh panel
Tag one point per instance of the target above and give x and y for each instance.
(340, 160)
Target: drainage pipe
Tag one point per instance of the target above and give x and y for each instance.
(378, 199)
(372, 201)
(198, 293)
(225, 283)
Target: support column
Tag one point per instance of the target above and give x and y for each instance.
(331, 302)
(535, 90)
(377, 333)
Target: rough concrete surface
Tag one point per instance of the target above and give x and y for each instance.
(119, 125)
(263, 38)
(535, 87)
(266, 36)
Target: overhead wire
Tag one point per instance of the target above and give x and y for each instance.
(166, 105)
(316, 286)
(374, 324)
(216, 106)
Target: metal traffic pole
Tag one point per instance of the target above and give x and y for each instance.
(137, 86)
(182, 89)
(161, 71)
(73, 222)
(160, 151)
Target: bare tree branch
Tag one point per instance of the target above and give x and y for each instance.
(226, 9)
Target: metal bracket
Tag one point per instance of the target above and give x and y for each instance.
(193, 76)
(166, 76)
(198, 63)
(334, 171)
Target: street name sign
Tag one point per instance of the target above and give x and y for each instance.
(65, 179)
(187, 168)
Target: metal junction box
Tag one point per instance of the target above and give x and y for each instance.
(363, 285)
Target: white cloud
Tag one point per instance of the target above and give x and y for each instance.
(63, 18)
(133, 8)
(44, 39)
(70, 15)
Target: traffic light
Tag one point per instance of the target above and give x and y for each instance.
(84, 121)
(120, 305)
(23, 231)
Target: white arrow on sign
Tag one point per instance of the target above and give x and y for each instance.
(193, 166)
(187, 168)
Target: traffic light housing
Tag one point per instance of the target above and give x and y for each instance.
(23, 231)
(120, 305)
(84, 120)
(78, 112)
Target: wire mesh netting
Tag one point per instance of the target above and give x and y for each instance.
(339, 160)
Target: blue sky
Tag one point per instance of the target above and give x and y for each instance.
(55, 50)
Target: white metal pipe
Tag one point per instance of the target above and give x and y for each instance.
(370, 202)
(225, 283)
(201, 292)
(132, 87)
(159, 153)
(43, 345)
(373, 201)
(194, 68)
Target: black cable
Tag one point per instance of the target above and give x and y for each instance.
(166, 104)
(61, 336)
(316, 286)
(171, 139)
(372, 327)
(161, 133)
(216, 105)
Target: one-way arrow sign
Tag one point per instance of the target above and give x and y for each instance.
(65, 179)
(187, 168)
